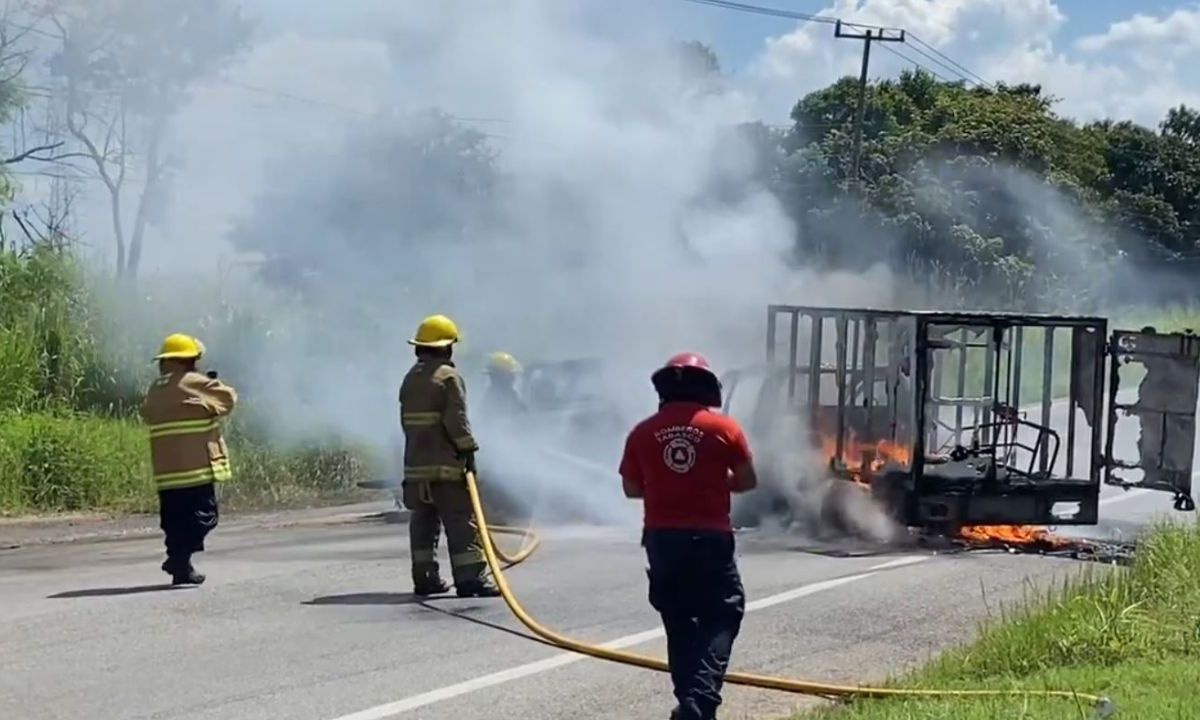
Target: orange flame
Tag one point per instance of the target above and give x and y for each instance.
(1019, 535)
(855, 454)
(878, 455)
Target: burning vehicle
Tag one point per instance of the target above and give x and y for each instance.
(978, 426)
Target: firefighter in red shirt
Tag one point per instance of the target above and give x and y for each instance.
(684, 462)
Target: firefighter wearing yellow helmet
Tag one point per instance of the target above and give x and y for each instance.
(188, 455)
(502, 399)
(500, 415)
(439, 448)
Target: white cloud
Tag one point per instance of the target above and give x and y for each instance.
(1134, 70)
(1177, 32)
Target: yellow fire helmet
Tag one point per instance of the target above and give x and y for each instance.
(502, 362)
(435, 331)
(180, 347)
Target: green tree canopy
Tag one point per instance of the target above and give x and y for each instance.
(988, 188)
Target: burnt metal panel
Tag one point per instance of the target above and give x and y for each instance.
(1165, 407)
(1047, 391)
(998, 480)
(1086, 359)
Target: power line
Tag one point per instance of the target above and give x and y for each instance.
(759, 10)
(945, 66)
(788, 14)
(950, 60)
(917, 63)
(932, 53)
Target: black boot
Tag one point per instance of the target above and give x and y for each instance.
(430, 586)
(188, 577)
(182, 572)
(478, 589)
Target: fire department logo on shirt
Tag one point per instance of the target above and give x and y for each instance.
(680, 454)
(679, 446)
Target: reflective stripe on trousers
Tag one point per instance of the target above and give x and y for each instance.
(438, 505)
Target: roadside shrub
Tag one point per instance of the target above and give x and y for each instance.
(72, 462)
(266, 477)
(53, 352)
(54, 463)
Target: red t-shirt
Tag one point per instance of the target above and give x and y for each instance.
(681, 457)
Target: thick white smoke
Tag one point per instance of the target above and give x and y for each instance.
(630, 224)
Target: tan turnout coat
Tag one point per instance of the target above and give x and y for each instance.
(433, 413)
(182, 410)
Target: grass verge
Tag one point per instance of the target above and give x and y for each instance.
(1132, 635)
(71, 462)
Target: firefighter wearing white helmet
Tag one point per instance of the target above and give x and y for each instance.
(188, 455)
(439, 449)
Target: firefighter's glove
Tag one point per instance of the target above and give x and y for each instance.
(469, 458)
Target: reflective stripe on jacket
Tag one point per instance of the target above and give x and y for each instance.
(181, 410)
(433, 414)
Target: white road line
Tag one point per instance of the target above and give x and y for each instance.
(1127, 495)
(387, 710)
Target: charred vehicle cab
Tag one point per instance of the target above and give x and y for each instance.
(977, 419)
(569, 397)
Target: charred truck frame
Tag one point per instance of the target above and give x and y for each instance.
(955, 418)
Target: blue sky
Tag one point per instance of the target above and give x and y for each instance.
(1094, 54)
(1122, 59)
(739, 37)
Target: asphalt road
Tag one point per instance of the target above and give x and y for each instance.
(312, 622)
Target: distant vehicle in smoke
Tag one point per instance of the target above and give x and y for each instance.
(558, 449)
(572, 399)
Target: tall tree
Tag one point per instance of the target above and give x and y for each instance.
(361, 212)
(125, 68)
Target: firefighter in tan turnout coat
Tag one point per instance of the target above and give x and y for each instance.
(439, 449)
(188, 454)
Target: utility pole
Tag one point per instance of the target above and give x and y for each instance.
(869, 36)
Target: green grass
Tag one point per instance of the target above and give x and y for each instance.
(312, 473)
(55, 347)
(71, 378)
(55, 463)
(1171, 319)
(72, 462)
(1131, 635)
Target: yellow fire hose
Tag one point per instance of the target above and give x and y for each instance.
(496, 557)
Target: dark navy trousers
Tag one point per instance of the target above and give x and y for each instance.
(187, 516)
(696, 588)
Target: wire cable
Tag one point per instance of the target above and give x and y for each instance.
(917, 63)
(979, 80)
(787, 14)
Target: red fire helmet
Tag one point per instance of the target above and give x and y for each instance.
(688, 360)
(678, 367)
